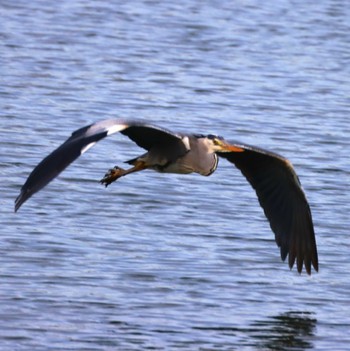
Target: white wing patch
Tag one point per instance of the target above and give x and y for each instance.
(110, 126)
(116, 128)
(87, 147)
(186, 142)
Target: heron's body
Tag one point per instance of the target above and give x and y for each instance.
(271, 175)
(189, 160)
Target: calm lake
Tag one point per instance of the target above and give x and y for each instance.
(170, 262)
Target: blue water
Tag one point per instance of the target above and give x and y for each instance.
(170, 262)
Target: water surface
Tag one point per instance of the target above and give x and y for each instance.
(172, 262)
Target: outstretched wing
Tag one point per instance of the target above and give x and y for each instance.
(147, 136)
(283, 201)
(83, 139)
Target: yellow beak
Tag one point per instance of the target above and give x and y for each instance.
(231, 148)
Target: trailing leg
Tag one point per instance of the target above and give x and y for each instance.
(115, 173)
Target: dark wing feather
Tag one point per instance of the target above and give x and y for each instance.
(84, 138)
(52, 165)
(147, 136)
(283, 200)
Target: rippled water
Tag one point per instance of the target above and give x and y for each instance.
(172, 262)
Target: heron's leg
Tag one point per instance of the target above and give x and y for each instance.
(115, 173)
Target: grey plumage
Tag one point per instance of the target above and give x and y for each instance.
(271, 175)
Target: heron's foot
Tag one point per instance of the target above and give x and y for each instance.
(112, 175)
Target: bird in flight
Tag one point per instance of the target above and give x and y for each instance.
(272, 176)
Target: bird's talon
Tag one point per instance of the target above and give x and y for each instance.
(112, 175)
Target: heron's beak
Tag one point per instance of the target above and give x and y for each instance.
(226, 147)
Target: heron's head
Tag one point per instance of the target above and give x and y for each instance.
(219, 144)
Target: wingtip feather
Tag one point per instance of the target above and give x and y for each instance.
(21, 198)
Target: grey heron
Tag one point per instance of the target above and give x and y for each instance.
(272, 176)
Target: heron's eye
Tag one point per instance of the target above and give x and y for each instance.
(216, 139)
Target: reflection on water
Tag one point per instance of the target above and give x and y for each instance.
(286, 331)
